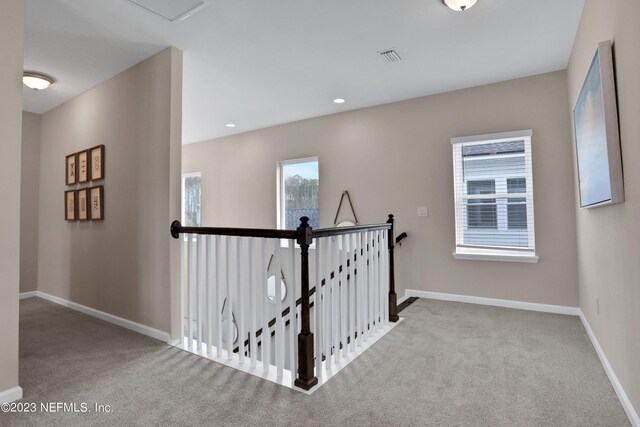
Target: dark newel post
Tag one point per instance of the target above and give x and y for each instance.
(393, 297)
(306, 378)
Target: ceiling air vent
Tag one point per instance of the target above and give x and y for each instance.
(390, 55)
(171, 10)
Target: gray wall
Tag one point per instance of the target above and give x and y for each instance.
(396, 157)
(29, 195)
(608, 237)
(121, 265)
(11, 47)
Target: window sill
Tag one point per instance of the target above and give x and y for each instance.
(495, 255)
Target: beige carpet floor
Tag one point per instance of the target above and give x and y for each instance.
(447, 364)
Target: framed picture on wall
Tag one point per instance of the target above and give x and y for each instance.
(84, 171)
(97, 162)
(71, 169)
(96, 201)
(70, 208)
(83, 204)
(597, 137)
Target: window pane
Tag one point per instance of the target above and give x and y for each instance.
(516, 185)
(482, 213)
(517, 213)
(192, 196)
(301, 186)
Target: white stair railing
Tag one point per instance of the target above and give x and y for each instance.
(290, 306)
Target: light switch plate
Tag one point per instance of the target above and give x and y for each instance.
(422, 211)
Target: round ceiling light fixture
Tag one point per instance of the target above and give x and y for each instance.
(459, 5)
(36, 81)
(230, 125)
(339, 101)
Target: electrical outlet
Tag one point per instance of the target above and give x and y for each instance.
(597, 305)
(422, 211)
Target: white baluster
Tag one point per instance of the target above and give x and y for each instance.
(218, 298)
(376, 280)
(198, 293)
(266, 335)
(326, 295)
(183, 288)
(240, 298)
(370, 283)
(209, 310)
(279, 329)
(343, 296)
(352, 292)
(293, 322)
(317, 311)
(253, 307)
(385, 275)
(191, 288)
(335, 307)
(355, 262)
(229, 304)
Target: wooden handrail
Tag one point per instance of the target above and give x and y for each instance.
(268, 233)
(337, 231)
(177, 229)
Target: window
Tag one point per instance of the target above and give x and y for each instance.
(298, 193)
(493, 186)
(191, 199)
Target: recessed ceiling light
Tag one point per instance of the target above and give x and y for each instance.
(36, 81)
(459, 5)
(339, 101)
(231, 125)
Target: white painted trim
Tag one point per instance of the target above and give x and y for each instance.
(128, 324)
(519, 305)
(11, 395)
(622, 396)
(31, 294)
(527, 258)
(493, 137)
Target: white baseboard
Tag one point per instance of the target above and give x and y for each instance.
(30, 294)
(622, 396)
(11, 395)
(520, 305)
(128, 324)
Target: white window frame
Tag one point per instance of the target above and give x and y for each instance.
(184, 176)
(493, 253)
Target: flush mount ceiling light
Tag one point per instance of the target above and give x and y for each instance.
(36, 81)
(339, 101)
(459, 5)
(230, 125)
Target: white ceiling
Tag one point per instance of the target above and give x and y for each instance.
(259, 63)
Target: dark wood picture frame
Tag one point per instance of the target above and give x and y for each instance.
(96, 203)
(96, 156)
(83, 166)
(82, 203)
(71, 169)
(70, 205)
